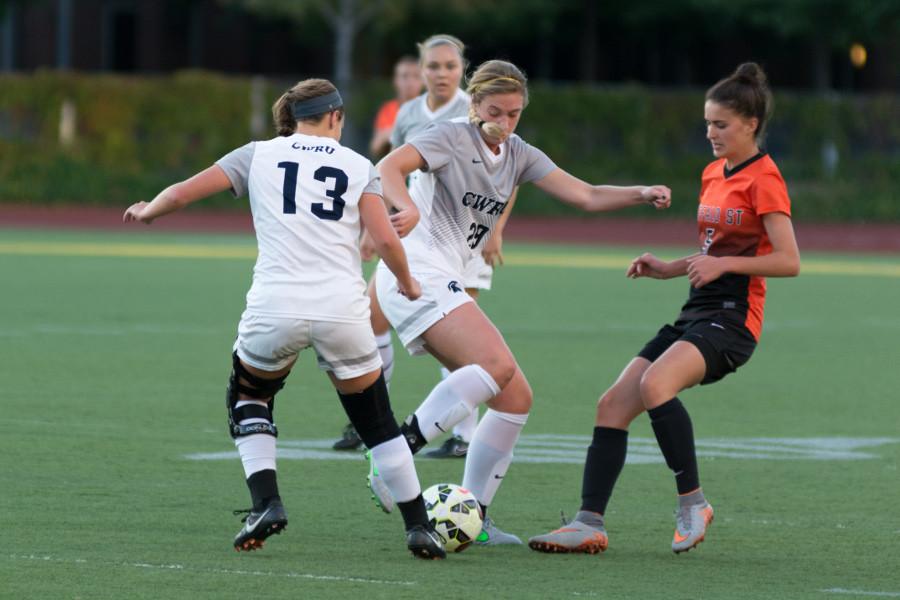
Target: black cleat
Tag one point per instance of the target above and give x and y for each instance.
(350, 440)
(424, 542)
(454, 447)
(259, 525)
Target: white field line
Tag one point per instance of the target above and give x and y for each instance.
(189, 569)
(861, 593)
(570, 449)
(600, 260)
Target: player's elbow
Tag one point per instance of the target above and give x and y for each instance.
(175, 195)
(791, 264)
(388, 246)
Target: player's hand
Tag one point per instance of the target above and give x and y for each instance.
(492, 253)
(657, 196)
(413, 291)
(404, 220)
(367, 247)
(647, 265)
(703, 269)
(135, 212)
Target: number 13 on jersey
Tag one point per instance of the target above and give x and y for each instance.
(323, 174)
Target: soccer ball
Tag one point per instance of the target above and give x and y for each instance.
(454, 514)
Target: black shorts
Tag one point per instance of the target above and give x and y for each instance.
(724, 343)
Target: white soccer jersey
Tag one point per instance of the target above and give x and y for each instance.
(304, 195)
(414, 116)
(472, 187)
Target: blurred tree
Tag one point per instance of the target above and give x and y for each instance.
(825, 25)
(346, 18)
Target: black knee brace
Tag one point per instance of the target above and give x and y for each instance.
(263, 389)
(370, 413)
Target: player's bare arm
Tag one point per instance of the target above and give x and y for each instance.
(394, 168)
(175, 197)
(648, 265)
(596, 198)
(387, 244)
(783, 261)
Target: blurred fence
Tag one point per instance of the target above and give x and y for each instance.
(99, 139)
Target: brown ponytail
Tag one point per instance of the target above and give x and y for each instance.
(282, 112)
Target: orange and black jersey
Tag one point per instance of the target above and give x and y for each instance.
(729, 221)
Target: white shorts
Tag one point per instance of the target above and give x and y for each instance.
(441, 294)
(270, 343)
(478, 274)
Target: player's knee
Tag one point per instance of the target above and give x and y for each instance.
(654, 390)
(617, 408)
(370, 413)
(501, 368)
(516, 398)
(526, 394)
(243, 383)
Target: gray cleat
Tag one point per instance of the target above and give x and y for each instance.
(491, 535)
(690, 526)
(573, 536)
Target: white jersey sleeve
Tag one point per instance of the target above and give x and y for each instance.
(436, 145)
(236, 165)
(535, 164)
(374, 185)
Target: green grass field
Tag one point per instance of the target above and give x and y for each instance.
(115, 353)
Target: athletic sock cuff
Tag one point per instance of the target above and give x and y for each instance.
(608, 433)
(664, 410)
(514, 418)
(487, 379)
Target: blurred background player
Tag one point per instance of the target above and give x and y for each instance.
(407, 83)
(442, 61)
(746, 235)
(309, 197)
(474, 166)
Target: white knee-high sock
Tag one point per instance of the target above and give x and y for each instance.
(490, 453)
(386, 350)
(453, 399)
(395, 465)
(258, 450)
(465, 429)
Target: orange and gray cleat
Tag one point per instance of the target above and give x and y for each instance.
(574, 536)
(691, 523)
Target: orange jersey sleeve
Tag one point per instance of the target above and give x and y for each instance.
(387, 114)
(768, 194)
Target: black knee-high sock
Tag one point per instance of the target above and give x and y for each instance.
(413, 512)
(605, 459)
(675, 435)
(263, 488)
